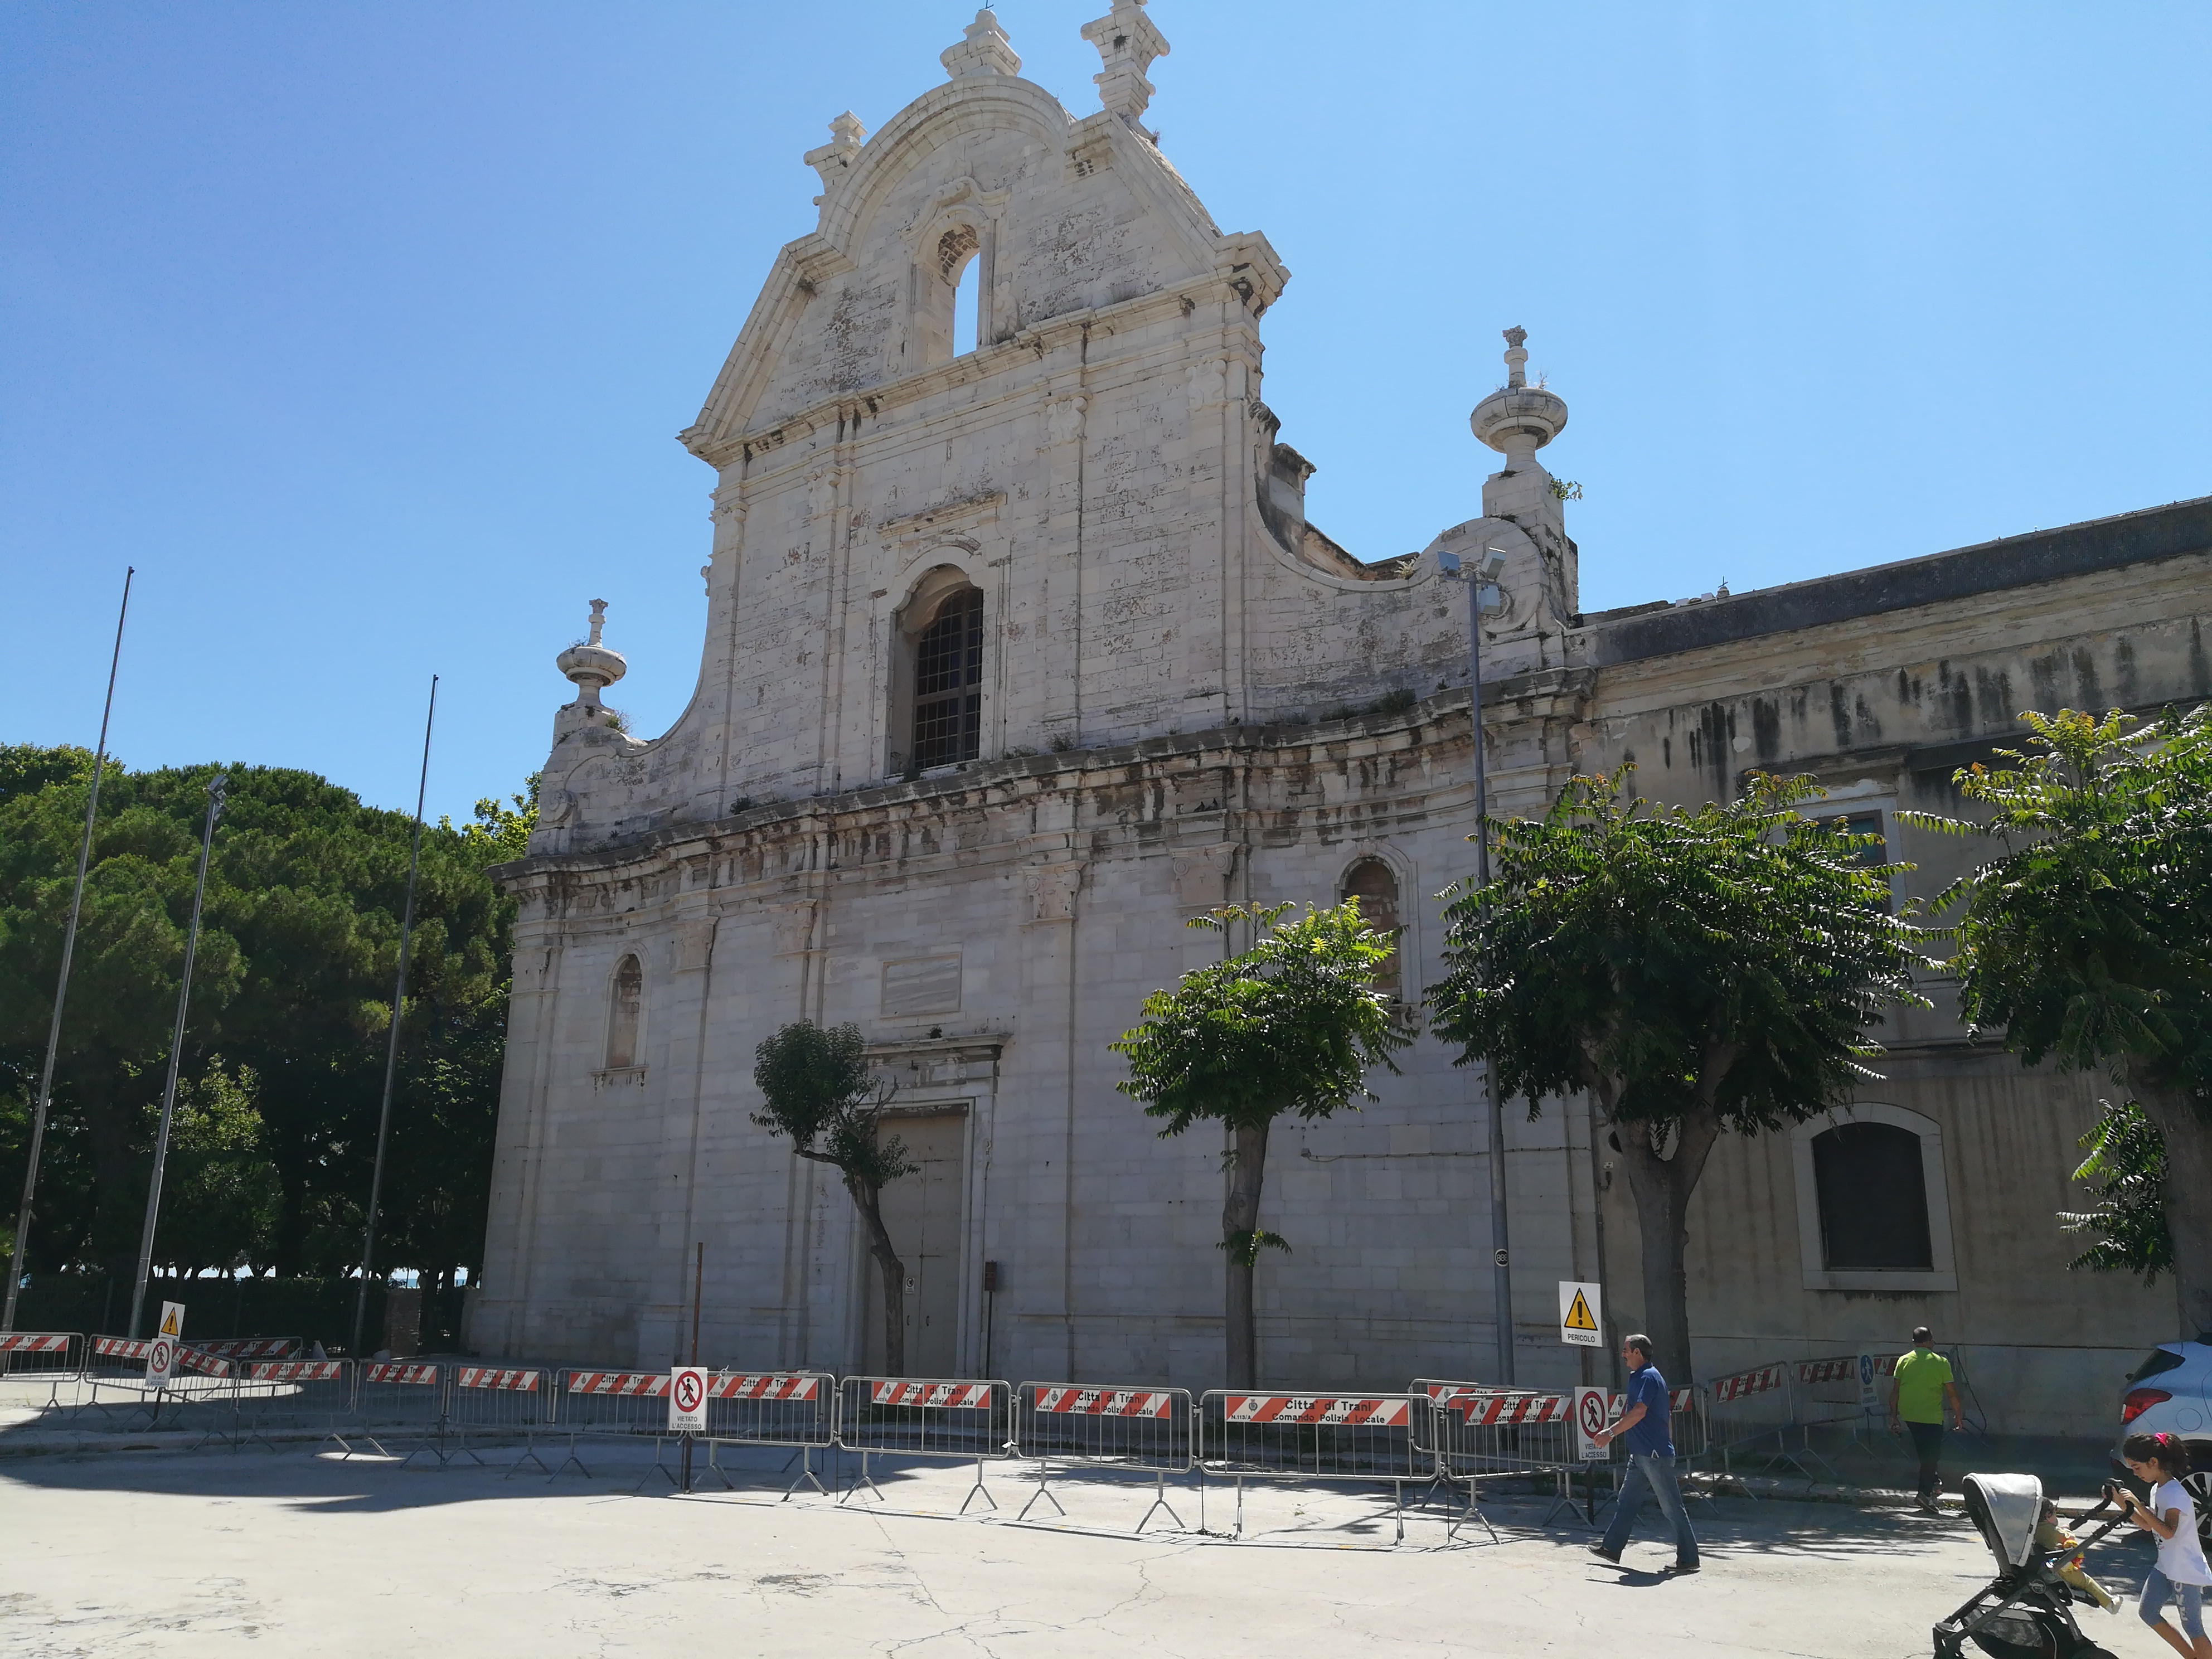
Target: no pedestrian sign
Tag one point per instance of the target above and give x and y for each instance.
(161, 1351)
(1591, 1410)
(687, 1400)
(1582, 1314)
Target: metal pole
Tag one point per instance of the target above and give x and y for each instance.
(61, 989)
(698, 1288)
(217, 786)
(1500, 1240)
(391, 1049)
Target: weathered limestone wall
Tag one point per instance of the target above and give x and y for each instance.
(1171, 718)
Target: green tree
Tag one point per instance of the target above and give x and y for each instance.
(1693, 972)
(822, 1092)
(2127, 1165)
(2085, 936)
(220, 1193)
(291, 987)
(1292, 1024)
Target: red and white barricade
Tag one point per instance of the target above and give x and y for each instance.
(908, 1417)
(1246, 1435)
(796, 1409)
(502, 1403)
(251, 1347)
(292, 1398)
(1077, 1425)
(397, 1401)
(200, 1393)
(1845, 1394)
(45, 1359)
(1749, 1416)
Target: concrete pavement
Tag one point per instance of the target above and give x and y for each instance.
(166, 1553)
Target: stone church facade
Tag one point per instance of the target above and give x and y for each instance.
(1017, 656)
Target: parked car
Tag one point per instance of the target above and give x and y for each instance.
(2170, 1392)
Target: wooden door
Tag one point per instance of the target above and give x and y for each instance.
(924, 1214)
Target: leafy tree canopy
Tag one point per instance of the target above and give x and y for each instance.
(2083, 936)
(291, 990)
(1694, 971)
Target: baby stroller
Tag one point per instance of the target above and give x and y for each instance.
(2027, 1612)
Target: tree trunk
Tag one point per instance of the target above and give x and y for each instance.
(870, 1199)
(2188, 1197)
(1240, 1220)
(1663, 1186)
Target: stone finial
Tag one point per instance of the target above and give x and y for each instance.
(1519, 419)
(832, 160)
(591, 665)
(983, 51)
(1128, 41)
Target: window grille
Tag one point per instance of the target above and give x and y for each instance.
(948, 684)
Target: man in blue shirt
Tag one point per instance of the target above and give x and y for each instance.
(1644, 1421)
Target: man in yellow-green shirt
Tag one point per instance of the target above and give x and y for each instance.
(1924, 1387)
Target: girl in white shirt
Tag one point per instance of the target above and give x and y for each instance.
(2161, 1460)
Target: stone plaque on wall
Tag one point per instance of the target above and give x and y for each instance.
(921, 985)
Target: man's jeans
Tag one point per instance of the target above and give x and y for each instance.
(1927, 1442)
(1650, 1475)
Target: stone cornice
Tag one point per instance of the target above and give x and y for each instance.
(1549, 694)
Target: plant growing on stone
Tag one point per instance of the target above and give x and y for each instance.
(1293, 1024)
(2085, 937)
(822, 1092)
(1692, 972)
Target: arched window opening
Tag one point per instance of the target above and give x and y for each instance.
(948, 305)
(1374, 885)
(628, 1003)
(948, 684)
(1873, 1192)
(965, 300)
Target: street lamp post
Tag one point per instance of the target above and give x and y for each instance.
(216, 787)
(1485, 598)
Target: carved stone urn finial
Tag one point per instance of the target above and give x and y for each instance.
(591, 665)
(1519, 419)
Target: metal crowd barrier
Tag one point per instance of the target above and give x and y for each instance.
(613, 1406)
(200, 1393)
(1145, 1430)
(927, 1418)
(798, 1409)
(395, 1400)
(1827, 1395)
(252, 1347)
(1747, 1410)
(1294, 1437)
(502, 1402)
(1487, 1432)
(276, 1396)
(51, 1358)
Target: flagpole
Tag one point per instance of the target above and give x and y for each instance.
(216, 787)
(391, 1049)
(61, 989)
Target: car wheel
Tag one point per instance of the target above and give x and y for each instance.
(2197, 1483)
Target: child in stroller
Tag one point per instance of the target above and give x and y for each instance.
(2027, 1612)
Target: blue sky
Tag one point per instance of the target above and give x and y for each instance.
(362, 330)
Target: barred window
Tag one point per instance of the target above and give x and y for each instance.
(948, 684)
